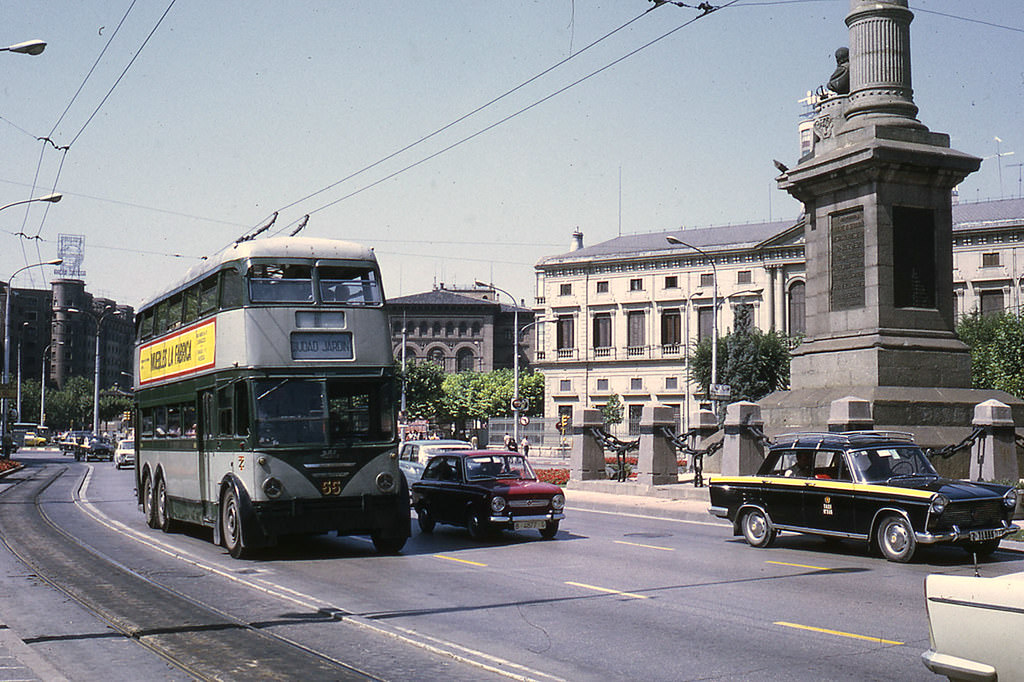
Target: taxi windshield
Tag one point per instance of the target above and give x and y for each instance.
(883, 464)
(498, 466)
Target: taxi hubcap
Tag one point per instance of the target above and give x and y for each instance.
(897, 537)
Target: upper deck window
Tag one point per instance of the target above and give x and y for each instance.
(280, 283)
(350, 285)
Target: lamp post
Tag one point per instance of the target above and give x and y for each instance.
(49, 198)
(109, 310)
(42, 384)
(714, 308)
(7, 341)
(515, 359)
(32, 47)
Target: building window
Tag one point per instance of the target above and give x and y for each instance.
(465, 361)
(671, 327)
(991, 302)
(636, 384)
(990, 260)
(436, 356)
(671, 383)
(797, 308)
(636, 285)
(743, 277)
(603, 330)
(565, 385)
(705, 323)
(672, 282)
(602, 287)
(564, 333)
(565, 289)
(602, 385)
(635, 337)
(635, 412)
(707, 279)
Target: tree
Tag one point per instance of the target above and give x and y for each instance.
(753, 363)
(423, 393)
(612, 410)
(997, 350)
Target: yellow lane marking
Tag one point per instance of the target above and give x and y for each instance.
(461, 561)
(606, 590)
(637, 544)
(878, 640)
(813, 568)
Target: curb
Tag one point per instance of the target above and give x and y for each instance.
(18, 466)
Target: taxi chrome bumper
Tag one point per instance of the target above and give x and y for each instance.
(973, 535)
(550, 516)
(720, 512)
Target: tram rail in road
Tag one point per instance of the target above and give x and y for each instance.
(195, 637)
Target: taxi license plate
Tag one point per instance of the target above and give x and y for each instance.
(525, 525)
(978, 535)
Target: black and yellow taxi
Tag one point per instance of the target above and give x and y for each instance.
(872, 486)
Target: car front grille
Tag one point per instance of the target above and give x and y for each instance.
(966, 515)
(529, 503)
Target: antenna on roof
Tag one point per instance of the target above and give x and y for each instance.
(261, 230)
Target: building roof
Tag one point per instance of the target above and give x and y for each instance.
(446, 298)
(995, 213)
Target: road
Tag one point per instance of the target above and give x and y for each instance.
(614, 597)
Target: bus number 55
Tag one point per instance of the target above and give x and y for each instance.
(332, 487)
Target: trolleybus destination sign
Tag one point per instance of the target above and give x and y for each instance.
(190, 350)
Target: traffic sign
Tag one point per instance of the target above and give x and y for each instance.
(8, 391)
(524, 421)
(721, 391)
(520, 404)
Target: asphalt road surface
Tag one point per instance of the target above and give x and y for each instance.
(614, 597)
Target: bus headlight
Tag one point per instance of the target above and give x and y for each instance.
(497, 504)
(385, 482)
(938, 505)
(272, 487)
(1010, 498)
(558, 501)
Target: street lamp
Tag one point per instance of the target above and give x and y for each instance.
(515, 360)
(49, 198)
(109, 310)
(32, 47)
(7, 342)
(714, 308)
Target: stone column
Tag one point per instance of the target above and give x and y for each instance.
(742, 454)
(771, 322)
(656, 460)
(850, 414)
(994, 455)
(586, 460)
(880, 84)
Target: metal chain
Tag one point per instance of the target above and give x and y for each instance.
(757, 434)
(951, 450)
(619, 447)
(681, 443)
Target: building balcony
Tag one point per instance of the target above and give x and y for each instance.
(636, 351)
(604, 353)
(567, 354)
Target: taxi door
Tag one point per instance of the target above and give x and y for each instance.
(829, 495)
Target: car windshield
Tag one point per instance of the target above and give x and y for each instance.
(882, 464)
(498, 466)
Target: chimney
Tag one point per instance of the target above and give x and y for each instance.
(577, 240)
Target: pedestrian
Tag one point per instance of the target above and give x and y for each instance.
(525, 445)
(473, 442)
(507, 441)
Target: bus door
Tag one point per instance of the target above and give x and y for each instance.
(205, 436)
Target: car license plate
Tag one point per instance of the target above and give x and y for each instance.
(526, 525)
(978, 535)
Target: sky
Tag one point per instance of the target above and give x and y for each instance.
(194, 122)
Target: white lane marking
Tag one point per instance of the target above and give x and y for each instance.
(650, 518)
(434, 645)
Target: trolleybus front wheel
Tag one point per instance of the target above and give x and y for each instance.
(231, 524)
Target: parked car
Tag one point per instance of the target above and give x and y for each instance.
(32, 440)
(973, 625)
(413, 454)
(124, 453)
(98, 448)
(486, 491)
(872, 486)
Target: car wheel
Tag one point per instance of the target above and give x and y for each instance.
(387, 544)
(148, 506)
(163, 521)
(550, 530)
(896, 539)
(231, 525)
(425, 519)
(478, 528)
(756, 529)
(983, 548)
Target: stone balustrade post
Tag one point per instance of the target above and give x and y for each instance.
(994, 454)
(705, 422)
(850, 414)
(656, 458)
(586, 460)
(742, 453)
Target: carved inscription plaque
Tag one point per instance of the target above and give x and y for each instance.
(846, 244)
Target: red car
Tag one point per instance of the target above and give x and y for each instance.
(486, 491)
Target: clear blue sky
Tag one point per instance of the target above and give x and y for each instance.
(234, 110)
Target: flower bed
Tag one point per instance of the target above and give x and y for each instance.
(556, 476)
(7, 464)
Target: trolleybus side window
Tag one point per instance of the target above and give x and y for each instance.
(351, 285)
(278, 283)
(146, 324)
(230, 288)
(147, 422)
(233, 409)
(191, 304)
(174, 312)
(208, 294)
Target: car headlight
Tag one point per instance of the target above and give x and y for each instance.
(385, 482)
(497, 504)
(1010, 498)
(558, 501)
(939, 503)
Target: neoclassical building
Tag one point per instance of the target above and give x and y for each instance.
(459, 329)
(620, 317)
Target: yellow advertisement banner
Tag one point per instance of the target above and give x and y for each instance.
(183, 353)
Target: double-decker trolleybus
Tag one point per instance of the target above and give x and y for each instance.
(265, 401)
